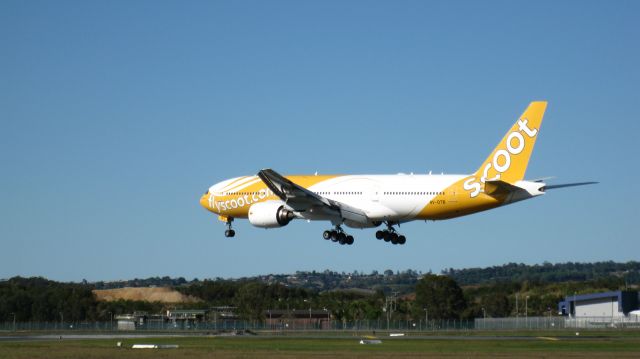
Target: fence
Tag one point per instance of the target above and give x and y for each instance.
(520, 323)
(550, 323)
(229, 325)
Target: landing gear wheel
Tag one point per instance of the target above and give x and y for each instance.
(349, 240)
(394, 238)
(338, 235)
(390, 234)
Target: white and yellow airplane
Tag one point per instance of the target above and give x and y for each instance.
(270, 200)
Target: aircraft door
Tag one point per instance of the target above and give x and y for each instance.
(375, 193)
(452, 197)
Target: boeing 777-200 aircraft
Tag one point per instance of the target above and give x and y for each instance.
(270, 200)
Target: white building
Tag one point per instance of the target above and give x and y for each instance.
(608, 304)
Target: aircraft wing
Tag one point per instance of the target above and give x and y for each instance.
(301, 199)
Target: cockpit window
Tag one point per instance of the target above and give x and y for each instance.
(206, 193)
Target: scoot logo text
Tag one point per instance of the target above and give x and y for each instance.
(501, 160)
(239, 202)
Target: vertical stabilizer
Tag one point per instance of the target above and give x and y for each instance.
(508, 161)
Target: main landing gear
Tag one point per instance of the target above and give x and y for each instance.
(390, 235)
(338, 235)
(229, 233)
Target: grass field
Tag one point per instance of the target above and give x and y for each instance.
(592, 345)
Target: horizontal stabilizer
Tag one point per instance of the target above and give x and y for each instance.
(499, 188)
(568, 185)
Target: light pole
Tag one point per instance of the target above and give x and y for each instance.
(328, 320)
(517, 311)
(309, 302)
(386, 311)
(61, 320)
(526, 311)
(111, 321)
(575, 310)
(426, 317)
(14, 321)
(484, 316)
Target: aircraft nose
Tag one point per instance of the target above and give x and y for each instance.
(204, 200)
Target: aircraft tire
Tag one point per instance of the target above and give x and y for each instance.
(379, 235)
(326, 235)
(350, 240)
(402, 239)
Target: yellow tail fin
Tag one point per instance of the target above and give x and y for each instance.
(508, 161)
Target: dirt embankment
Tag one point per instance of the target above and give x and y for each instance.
(164, 295)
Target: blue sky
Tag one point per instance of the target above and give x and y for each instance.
(116, 116)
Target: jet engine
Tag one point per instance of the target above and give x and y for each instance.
(269, 214)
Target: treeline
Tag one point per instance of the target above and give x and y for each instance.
(547, 272)
(252, 299)
(39, 299)
(440, 295)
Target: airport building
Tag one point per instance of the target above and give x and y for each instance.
(297, 319)
(131, 321)
(617, 304)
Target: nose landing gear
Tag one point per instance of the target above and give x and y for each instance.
(229, 233)
(338, 235)
(390, 235)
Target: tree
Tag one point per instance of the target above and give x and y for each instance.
(250, 300)
(442, 297)
(496, 304)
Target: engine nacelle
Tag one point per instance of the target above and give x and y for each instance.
(269, 214)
